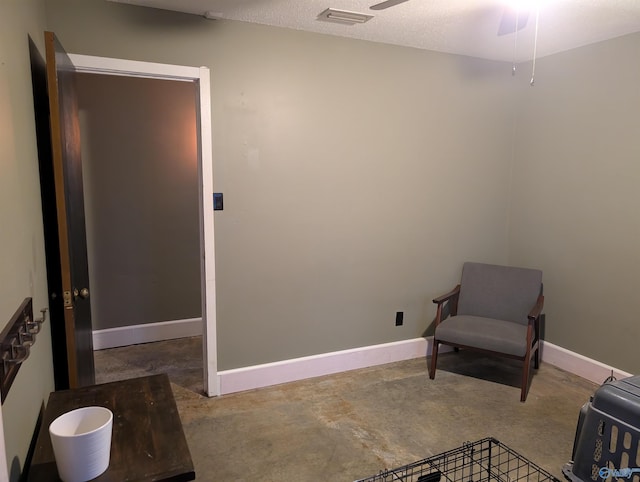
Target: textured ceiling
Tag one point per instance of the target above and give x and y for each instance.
(467, 27)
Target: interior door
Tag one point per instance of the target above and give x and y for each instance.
(72, 331)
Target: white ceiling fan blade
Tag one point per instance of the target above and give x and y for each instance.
(386, 4)
(512, 21)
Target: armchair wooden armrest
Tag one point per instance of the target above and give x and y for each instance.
(534, 314)
(452, 297)
(441, 299)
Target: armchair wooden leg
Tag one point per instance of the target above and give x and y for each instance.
(525, 377)
(434, 359)
(536, 358)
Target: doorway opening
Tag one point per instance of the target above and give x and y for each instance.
(140, 177)
(149, 191)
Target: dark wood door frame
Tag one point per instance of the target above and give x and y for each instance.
(49, 215)
(65, 340)
(73, 283)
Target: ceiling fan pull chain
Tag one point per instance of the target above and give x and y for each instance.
(515, 45)
(535, 47)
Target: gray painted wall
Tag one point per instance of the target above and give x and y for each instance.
(139, 149)
(354, 171)
(575, 196)
(357, 176)
(309, 132)
(22, 262)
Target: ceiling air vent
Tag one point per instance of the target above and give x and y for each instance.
(343, 16)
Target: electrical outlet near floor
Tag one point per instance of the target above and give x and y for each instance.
(399, 318)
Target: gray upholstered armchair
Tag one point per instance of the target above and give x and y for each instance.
(496, 310)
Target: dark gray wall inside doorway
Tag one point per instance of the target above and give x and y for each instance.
(140, 169)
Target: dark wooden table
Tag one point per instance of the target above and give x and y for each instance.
(148, 442)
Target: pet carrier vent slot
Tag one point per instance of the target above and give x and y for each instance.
(597, 453)
(613, 443)
(627, 441)
(612, 467)
(601, 428)
(624, 460)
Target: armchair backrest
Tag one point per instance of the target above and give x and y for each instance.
(500, 292)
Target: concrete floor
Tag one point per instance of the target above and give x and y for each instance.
(352, 425)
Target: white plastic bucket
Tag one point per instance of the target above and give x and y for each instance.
(81, 441)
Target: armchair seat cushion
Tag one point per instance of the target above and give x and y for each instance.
(485, 333)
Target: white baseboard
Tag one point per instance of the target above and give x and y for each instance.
(577, 364)
(258, 376)
(134, 334)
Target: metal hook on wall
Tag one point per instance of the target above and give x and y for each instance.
(16, 340)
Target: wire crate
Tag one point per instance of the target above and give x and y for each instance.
(481, 461)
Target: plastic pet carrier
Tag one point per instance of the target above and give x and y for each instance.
(606, 446)
(482, 461)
